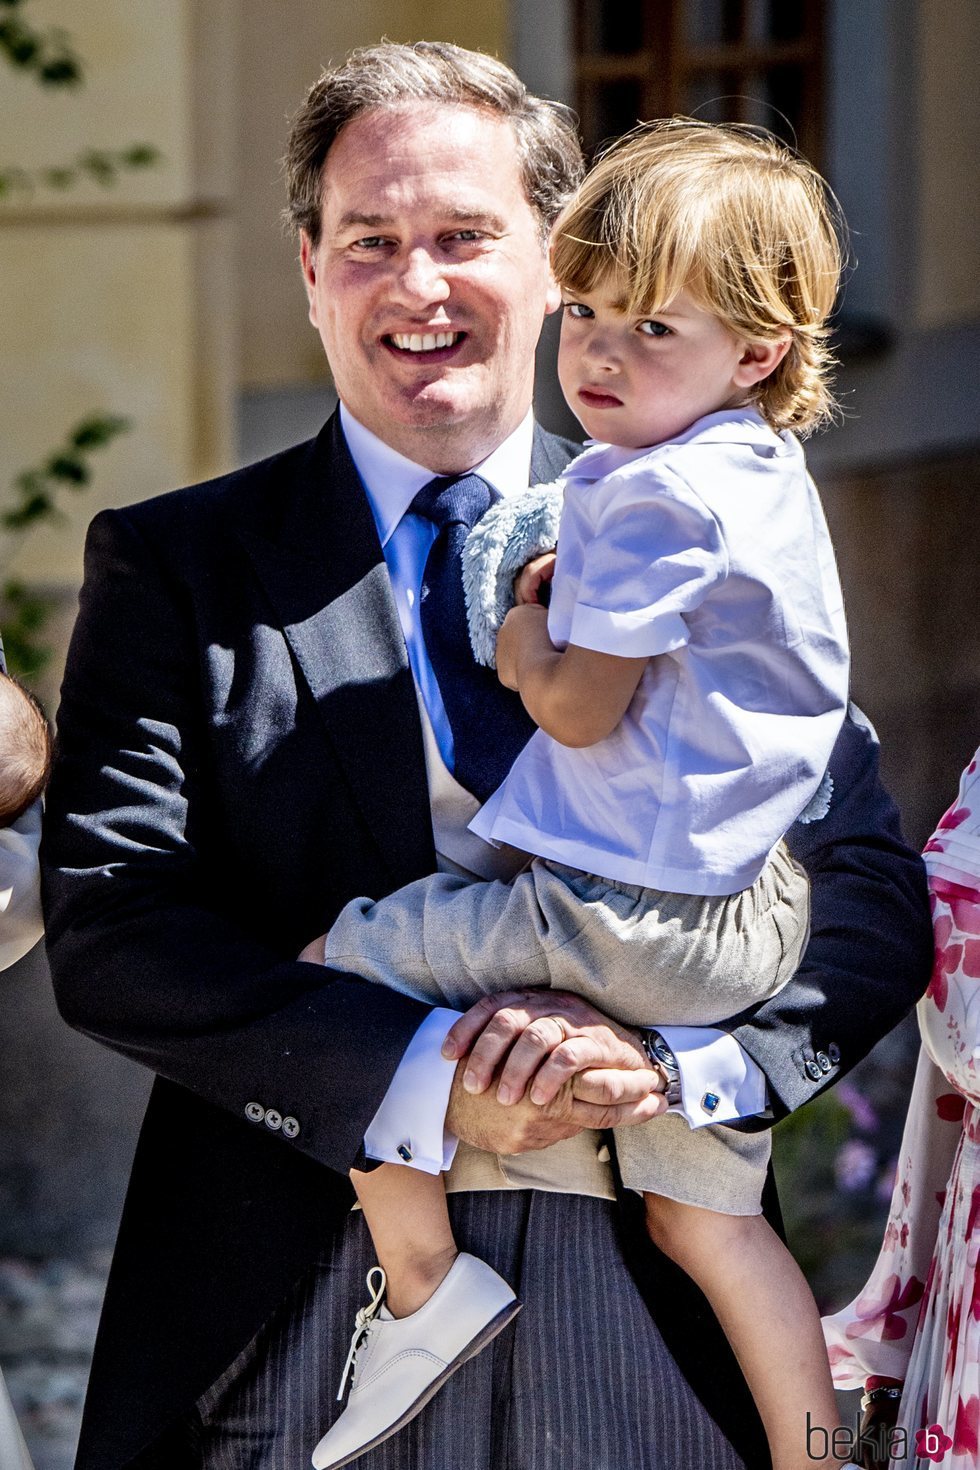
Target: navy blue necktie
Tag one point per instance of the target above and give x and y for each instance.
(489, 724)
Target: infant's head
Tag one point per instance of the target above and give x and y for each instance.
(715, 252)
(25, 750)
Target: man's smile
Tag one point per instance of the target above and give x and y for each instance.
(423, 341)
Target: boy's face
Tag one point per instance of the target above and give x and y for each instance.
(636, 381)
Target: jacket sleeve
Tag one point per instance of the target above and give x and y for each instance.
(142, 955)
(869, 954)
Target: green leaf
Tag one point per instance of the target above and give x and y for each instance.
(99, 165)
(69, 468)
(38, 507)
(59, 178)
(60, 71)
(20, 45)
(29, 482)
(14, 178)
(140, 155)
(95, 432)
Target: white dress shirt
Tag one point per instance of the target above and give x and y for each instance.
(413, 1110)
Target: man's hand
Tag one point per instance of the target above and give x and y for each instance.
(569, 1054)
(532, 577)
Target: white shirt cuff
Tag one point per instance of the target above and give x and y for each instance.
(410, 1125)
(713, 1065)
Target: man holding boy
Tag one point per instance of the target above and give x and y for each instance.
(278, 742)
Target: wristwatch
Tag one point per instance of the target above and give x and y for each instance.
(660, 1054)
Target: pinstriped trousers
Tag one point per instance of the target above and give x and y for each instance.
(581, 1380)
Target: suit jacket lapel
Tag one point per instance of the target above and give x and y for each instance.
(549, 455)
(324, 571)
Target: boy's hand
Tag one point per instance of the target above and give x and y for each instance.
(523, 634)
(532, 577)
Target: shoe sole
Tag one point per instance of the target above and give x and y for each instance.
(496, 1325)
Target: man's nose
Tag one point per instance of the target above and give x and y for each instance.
(420, 280)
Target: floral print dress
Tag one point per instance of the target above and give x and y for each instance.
(918, 1318)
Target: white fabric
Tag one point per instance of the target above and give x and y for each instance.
(13, 1450)
(413, 1110)
(21, 924)
(712, 1061)
(712, 551)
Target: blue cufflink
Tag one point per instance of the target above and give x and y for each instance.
(710, 1101)
(404, 1153)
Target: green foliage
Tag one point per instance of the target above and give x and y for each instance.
(35, 501)
(103, 165)
(833, 1172)
(50, 59)
(25, 615)
(37, 489)
(48, 56)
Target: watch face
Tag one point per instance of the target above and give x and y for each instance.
(664, 1054)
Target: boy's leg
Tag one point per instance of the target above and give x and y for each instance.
(444, 938)
(406, 1213)
(765, 1307)
(432, 1310)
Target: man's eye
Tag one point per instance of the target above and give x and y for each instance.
(655, 329)
(578, 309)
(467, 236)
(369, 242)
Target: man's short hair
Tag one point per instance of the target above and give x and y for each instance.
(389, 75)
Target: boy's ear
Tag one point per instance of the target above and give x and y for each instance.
(759, 360)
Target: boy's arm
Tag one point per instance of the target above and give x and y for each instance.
(578, 696)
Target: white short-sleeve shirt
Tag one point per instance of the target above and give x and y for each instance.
(708, 554)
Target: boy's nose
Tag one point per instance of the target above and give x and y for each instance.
(601, 353)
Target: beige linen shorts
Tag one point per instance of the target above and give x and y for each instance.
(641, 955)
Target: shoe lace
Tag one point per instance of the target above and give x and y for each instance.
(363, 1323)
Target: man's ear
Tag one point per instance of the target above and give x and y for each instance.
(307, 260)
(759, 360)
(552, 300)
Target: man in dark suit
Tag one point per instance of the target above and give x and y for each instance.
(251, 734)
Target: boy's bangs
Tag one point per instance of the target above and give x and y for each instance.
(645, 262)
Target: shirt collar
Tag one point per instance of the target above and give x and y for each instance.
(392, 481)
(728, 426)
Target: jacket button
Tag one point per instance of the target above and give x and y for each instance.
(254, 1112)
(833, 1052)
(823, 1061)
(813, 1071)
(290, 1128)
(273, 1119)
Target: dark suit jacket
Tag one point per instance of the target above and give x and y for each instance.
(239, 754)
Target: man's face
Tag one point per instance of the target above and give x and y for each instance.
(430, 281)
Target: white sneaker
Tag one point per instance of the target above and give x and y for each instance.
(397, 1364)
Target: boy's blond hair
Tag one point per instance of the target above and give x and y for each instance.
(730, 214)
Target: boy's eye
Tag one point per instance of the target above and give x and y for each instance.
(578, 309)
(655, 329)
